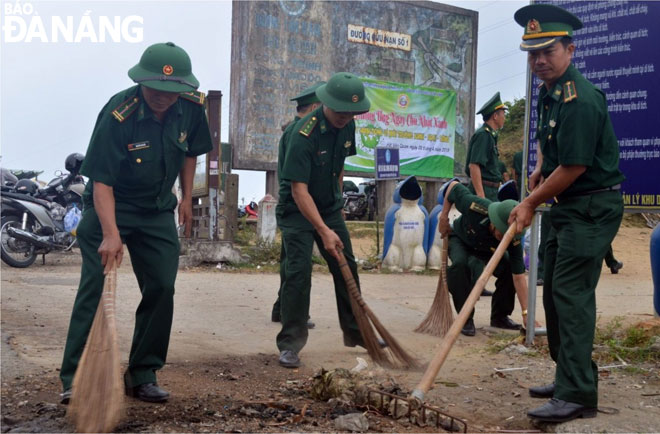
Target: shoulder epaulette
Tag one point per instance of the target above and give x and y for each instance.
(307, 129)
(126, 108)
(477, 207)
(194, 96)
(569, 91)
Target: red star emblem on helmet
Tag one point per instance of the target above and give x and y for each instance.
(168, 70)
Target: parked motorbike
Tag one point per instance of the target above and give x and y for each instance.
(360, 204)
(33, 219)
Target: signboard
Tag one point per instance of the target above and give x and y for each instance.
(617, 51)
(281, 47)
(419, 121)
(387, 163)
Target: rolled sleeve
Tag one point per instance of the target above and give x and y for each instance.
(298, 160)
(199, 141)
(106, 150)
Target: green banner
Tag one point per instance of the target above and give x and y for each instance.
(419, 121)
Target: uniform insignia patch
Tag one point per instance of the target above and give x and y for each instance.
(182, 136)
(347, 144)
(516, 242)
(126, 108)
(307, 129)
(477, 207)
(138, 145)
(570, 93)
(552, 123)
(194, 96)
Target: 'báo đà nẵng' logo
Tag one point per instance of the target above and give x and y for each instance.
(21, 22)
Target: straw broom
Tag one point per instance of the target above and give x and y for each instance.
(367, 321)
(97, 393)
(433, 368)
(439, 318)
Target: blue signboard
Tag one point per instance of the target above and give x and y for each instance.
(617, 50)
(387, 163)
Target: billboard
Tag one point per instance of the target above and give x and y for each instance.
(617, 51)
(282, 47)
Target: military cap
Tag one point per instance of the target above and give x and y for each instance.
(165, 67)
(308, 96)
(492, 105)
(498, 213)
(544, 25)
(344, 92)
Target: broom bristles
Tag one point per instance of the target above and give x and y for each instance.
(97, 392)
(364, 317)
(440, 316)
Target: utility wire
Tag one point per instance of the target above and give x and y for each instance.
(496, 25)
(499, 57)
(502, 79)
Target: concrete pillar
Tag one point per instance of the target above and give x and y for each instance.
(272, 185)
(266, 221)
(431, 195)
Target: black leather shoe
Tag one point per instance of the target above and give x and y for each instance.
(486, 293)
(65, 397)
(289, 359)
(468, 328)
(504, 323)
(358, 342)
(148, 392)
(557, 410)
(545, 391)
(616, 267)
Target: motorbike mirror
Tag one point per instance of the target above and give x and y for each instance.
(58, 172)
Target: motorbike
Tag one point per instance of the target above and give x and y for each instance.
(360, 204)
(33, 218)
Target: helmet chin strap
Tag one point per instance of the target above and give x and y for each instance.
(165, 78)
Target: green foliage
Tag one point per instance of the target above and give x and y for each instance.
(511, 137)
(632, 344)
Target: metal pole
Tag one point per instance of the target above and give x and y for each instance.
(531, 284)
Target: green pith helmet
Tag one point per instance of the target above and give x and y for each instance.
(344, 92)
(308, 96)
(544, 25)
(165, 67)
(498, 213)
(492, 105)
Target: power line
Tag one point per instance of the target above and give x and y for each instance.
(496, 25)
(502, 79)
(499, 57)
(486, 5)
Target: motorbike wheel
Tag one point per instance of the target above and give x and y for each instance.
(15, 253)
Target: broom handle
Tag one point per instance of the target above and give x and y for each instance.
(351, 285)
(439, 358)
(108, 296)
(445, 254)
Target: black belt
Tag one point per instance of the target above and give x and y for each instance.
(616, 187)
(490, 183)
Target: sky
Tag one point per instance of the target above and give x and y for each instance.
(51, 91)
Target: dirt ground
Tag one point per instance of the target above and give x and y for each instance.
(222, 366)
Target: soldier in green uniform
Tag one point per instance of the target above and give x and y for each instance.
(307, 102)
(309, 209)
(474, 237)
(482, 163)
(578, 164)
(144, 138)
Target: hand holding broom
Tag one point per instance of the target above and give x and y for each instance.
(98, 390)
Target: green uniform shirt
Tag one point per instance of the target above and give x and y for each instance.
(136, 155)
(315, 155)
(282, 148)
(575, 129)
(482, 150)
(472, 226)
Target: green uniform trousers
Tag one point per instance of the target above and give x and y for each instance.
(153, 244)
(276, 305)
(490, 192)
(298, 237)
(582, 229)
(466, 266)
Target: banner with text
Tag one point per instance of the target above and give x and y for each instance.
(617, 51)
(419, 121)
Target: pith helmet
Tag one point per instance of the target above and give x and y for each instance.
(344, 92)
(492, 105)
(165, 67)
(498, 213)
(308, 96)
(544, 25)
